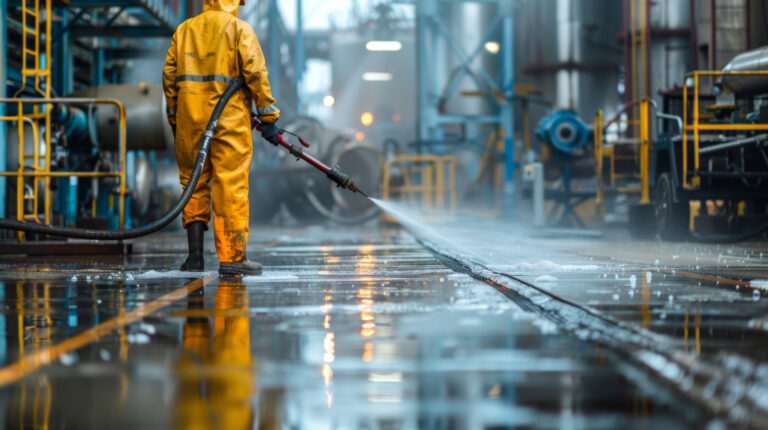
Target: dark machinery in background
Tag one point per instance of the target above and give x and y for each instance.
(702, 168)
(281, 185)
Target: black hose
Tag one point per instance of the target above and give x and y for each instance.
(80, 233)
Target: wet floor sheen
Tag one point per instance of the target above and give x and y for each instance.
(358, 330)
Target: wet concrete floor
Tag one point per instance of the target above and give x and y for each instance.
(351, 329)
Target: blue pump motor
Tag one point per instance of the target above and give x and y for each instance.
(564, 131)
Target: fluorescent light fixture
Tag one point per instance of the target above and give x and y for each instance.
(384, 45)
(329, 101)
(492, 47)
(377, 76)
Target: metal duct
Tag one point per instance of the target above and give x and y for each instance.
(147, 127)
(750, 61)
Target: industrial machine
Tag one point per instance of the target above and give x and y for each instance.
(703, 167)
(568, 140)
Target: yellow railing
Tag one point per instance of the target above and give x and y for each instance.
(41, 163)
(641, 144)
(696, 126)
(431, 185)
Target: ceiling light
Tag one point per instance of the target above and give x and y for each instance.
(492, 47)
(377, 77)
(329, 101)
(384, 45)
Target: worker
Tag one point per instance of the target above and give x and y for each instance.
(207, 53)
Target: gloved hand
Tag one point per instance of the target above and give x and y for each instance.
(269, 132)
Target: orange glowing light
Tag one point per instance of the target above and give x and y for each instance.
(329, 347)
(396, 118)
(360, 136)
(366, 249)
(367, 333)
(368, 352)
(367, 302)
(327, 322)
(366, 316)
(364, 292)
(327, 374)
(366, 119)
(323, 272)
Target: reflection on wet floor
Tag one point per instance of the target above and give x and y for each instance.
(348, 333)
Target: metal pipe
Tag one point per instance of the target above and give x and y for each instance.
(734, 144)
(755, 60)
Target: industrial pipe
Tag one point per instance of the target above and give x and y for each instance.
(755, 60)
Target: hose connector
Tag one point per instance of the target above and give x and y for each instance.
(339, 178)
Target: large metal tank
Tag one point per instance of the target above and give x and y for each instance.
(468, 24)
(147, 126)
(670, 47)
(750, 61)
(567, 49)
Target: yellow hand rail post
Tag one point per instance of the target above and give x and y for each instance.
(598, 139)
(696, 118)
(44, 173)
(685, 133)
(645, 149)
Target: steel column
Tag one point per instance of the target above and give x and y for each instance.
(508, 108)
(299, 55)
(3, 86)
(273, 61)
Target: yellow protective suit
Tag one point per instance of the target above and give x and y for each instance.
(207, 53)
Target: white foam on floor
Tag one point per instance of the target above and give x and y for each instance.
(171, 274)
(760, 284)
(273, 276)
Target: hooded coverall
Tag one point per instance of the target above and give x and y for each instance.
(207, 53)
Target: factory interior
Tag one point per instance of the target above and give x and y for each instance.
(477, 214)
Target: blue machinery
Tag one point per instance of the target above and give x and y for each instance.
(431, 30)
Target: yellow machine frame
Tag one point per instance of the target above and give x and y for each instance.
(696, 126)
(31, 53)
(642, 146)
(432, 170)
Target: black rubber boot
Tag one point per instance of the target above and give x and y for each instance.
(195, 261)
(241, 269)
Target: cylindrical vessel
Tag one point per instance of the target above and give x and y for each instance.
(750, 61)
(567, 50)
(147, 126)
(468, 22)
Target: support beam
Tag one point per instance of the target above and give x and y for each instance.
(508, 109)
(118, 31)
(273, 61)
(3, 85)
(299, 55)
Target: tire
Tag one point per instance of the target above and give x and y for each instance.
(672, 218)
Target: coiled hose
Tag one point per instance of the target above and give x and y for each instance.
(80, 233)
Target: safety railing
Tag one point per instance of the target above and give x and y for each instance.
(41, 163)
(695, 126)
(428, 179)
(634, 134)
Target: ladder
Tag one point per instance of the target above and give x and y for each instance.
(36, 73)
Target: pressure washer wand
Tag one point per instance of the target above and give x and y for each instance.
(334, 173)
